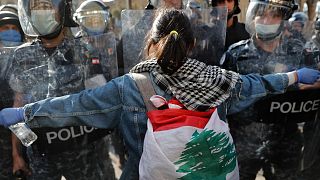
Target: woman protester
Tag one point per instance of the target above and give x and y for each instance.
(197, 86)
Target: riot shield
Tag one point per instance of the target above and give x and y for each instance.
(209, 26)
(6, 101)
(6, 92)
(103, 59)
(135, 27)
(39, 73)
(290, 120)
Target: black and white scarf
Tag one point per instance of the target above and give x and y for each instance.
(196, 85)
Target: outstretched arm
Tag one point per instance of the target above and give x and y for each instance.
(89, 107)
(254, 87)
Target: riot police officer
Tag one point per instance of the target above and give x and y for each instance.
(52, 65)
(264, 140)
(297, 23)
(298, 20)
(93, 17)
(11, 35)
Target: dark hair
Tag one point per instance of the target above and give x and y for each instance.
(172, 34)
(236, 8)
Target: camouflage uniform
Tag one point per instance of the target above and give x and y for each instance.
(74, 152)
(5, 154)
(311, 130)
(275, 147)
(6, 100)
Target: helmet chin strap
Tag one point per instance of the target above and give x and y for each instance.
(54, 34)
(270, 37)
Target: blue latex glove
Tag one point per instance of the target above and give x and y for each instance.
(9, 116)
(307, 75)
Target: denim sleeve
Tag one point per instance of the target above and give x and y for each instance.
(89, 107)
(253, 87)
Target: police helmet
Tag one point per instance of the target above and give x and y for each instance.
(45, 18)
(93, 16)
(299, 17)
(9, 15)
(285, 8)
(282, 9)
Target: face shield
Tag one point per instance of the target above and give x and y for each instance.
(93, 17)
(265, 20)
(41, 17)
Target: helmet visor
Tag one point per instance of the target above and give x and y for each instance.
(92, 17)
(41, 17)
(266, 14)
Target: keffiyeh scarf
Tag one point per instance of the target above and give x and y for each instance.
(197, 86)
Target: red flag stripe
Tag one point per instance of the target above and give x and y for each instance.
(174, 118)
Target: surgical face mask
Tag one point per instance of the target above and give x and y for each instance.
(44, 21)
(10, 38)
(267, 32)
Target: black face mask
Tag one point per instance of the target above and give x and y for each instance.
(296, 33)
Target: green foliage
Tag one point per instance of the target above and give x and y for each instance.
(207, 155)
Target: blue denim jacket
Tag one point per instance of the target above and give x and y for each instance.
(119, 104)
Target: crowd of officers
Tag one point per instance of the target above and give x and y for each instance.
(43, 52)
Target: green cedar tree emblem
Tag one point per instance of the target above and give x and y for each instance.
(208, 155)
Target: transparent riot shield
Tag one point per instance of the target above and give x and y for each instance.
(6, 101)
(38, 73)
(102, 56)
(288, 123)
(209, 26)
(135, 27)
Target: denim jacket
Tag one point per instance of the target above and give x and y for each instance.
(119, 104)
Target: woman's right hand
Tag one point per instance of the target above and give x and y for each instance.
(316, 85)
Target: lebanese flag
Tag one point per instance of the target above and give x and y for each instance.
(184, 144)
